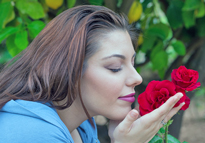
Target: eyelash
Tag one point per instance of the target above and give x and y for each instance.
(116, 70)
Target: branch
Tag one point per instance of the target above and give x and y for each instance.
(111, 4)
(81, 2)
(176, 34)
(194, 55)
(126, 4)
(165, 3)
(196, 43)
(142, 64)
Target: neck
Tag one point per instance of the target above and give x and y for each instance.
(73, 116)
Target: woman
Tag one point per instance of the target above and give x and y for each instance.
(79, 66)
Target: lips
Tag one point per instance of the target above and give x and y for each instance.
(128, 98)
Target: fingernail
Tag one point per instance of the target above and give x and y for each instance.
(134, 114)
(182, 103)
(180, 95)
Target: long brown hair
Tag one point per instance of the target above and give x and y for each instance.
(51, 67)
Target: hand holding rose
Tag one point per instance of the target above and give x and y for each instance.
(160, 102)
(158, 92)
(140, 130)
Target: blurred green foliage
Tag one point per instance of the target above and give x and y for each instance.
(171, 29)
(168, 27)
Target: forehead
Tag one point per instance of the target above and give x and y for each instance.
(115, 42)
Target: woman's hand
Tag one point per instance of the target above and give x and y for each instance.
(140, 130)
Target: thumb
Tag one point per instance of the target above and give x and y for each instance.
(126, 124)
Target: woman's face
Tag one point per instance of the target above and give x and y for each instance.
(110, 76)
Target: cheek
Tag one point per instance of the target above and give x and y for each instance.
(103, 84)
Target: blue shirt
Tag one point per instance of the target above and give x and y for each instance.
(33, 122)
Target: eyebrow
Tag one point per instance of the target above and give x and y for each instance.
(118, 56)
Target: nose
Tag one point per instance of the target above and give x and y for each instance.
(134, 78)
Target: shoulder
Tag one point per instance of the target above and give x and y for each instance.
(87, 132)
(27, 123)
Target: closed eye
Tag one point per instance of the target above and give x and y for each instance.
(116, 70)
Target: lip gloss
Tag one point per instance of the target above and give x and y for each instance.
(128, 98)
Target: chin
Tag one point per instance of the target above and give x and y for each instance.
(119, 115)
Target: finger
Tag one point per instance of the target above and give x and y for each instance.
(126, 124)
(137, 108)
(164, 109)
(173, 112)
(169, 104)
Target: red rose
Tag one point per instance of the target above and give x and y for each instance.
(157, 93)
(185, 78)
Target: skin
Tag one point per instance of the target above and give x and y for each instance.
(110, 75)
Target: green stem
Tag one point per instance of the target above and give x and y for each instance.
(166, 132)
(162, 138)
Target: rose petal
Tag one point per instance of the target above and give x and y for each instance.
(164, 91)
(186, 76)
(186, 105)
(151, 86)
(194, 75)
(143, 112)
(183, 84)
(154, 95)
(193, 87)
(143, 102)
(167, 84)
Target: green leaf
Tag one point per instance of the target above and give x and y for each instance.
(161, 130)
(185, 142)
(96, 2)
(138, 69)
(35, 28)
(159, 13)
(156, 139)
(4, 57)
(31, 7)
(2, 1)
(188, 18)
(119, 3)
(10, 17)
(148, 42)
(200, 26)
(174, 16)
(21, 40)
(179, 47)
(11, 46)
(178, 3)
(145, 3)
(60, 10)
(156, 49)
(161, 73)
(71, 3)
(169, 123)
(160, 60)
(161, 30)
(7, 31)
(5, 10)
(200, 92)
(172, 139)
(191, 5)
(200, 12)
